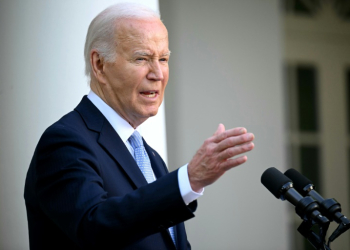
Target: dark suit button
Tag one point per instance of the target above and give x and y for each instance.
(161, 227)
(171, 222)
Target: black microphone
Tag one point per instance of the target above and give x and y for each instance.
(282, 188)
(329, 207)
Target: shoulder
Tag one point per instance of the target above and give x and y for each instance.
(69, 125)
(83, 122)
(69, 136)
(64, 144)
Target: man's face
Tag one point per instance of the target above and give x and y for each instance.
(136, 81)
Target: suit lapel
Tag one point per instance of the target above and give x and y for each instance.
(110, 140)
(156, 162)
(112, 143)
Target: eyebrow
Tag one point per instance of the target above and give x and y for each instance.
(143, 53)
(167, 53)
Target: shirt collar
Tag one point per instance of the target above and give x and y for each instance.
(121, 126)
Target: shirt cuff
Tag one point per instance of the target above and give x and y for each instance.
(188, 195)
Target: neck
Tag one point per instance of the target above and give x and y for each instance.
(96, 88)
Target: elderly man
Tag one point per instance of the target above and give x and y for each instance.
(93, 182)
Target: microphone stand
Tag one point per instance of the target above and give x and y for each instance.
(342, 228)
(306, 207)
(318, 241)
(308, 210)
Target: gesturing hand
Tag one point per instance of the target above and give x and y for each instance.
(214, 157)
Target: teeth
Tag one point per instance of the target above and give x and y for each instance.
(150, 94)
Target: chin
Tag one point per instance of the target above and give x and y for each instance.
(152, 113)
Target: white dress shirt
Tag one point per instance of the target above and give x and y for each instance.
(125, 130)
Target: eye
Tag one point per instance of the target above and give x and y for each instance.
(164, 59)
(141, 59)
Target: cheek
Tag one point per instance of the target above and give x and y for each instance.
(166, 76)
(165, 83)
(165, 72)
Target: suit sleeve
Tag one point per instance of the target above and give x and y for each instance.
(71, 193)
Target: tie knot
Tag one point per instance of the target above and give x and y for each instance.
(136, 140)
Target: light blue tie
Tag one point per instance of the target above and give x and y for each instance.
(142, 160)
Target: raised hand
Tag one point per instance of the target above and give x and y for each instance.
(214, 157)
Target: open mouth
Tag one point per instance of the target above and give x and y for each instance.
(149, 94)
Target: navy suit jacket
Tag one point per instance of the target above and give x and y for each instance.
(84, 190)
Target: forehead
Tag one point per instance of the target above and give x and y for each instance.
(142, 34)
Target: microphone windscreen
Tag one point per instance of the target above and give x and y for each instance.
(299, 180)
(273, 180)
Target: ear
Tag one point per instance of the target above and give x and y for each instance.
(97, 66)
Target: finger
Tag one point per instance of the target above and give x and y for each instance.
(229, 133)
(234, 162)
(236, 131)
(234, 141)
(220, 129)
(233, 151)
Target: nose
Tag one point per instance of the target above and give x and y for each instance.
(155, 73)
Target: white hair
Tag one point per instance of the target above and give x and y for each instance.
(102, 30)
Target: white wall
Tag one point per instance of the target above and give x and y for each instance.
(226, 67)
(41, 79)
